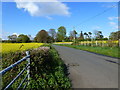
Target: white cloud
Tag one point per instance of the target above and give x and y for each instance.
(114, 18)
(48, 17)
(113, 25)
(45, 9)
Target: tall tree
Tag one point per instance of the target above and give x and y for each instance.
(86, 35)
(89, 34)
(61, 33)
(81, 36)
(42, 36)
(75, 33)
(98, 34)
(115, 35)
(52, 33)
(71, 35)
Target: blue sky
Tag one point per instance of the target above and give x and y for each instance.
(29, 18)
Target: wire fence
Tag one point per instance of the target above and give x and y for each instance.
(108, 43)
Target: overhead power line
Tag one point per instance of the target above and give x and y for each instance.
(91, 18)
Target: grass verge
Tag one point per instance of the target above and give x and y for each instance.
(109, 51)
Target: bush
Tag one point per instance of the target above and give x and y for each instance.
(47, 70)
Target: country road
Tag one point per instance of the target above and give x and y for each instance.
(88, 70)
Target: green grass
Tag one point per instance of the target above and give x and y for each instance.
(109, 51)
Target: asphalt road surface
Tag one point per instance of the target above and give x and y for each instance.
(89, 70)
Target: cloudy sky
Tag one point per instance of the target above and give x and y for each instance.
(30, 17)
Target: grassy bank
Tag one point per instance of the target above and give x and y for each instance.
(109, 51)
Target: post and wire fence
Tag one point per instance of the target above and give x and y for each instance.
(26, 68)
(102, 43)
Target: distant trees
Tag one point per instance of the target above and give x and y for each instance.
(115, 35)
(73, 34)
(52, 33)
(81, 36)
(12, 38)
(42, 36)
(89, 35)
(19, 39)
(22, 38)
(98, 35)
(86, 35)
(61, 34)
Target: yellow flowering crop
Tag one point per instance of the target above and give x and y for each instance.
(11, 47)
(63, 43)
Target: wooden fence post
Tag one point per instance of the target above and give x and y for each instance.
(119, 42)
(96, 43)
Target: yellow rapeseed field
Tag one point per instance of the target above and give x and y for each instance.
(63, 42)
(11, 47)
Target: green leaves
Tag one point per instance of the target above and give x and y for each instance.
(46, 70)
(50, 70)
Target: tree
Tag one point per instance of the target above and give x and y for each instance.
(86, 35)
(52, 33)
(98, 35)
(23, 38)
(61, 33)
(12, 37)
(115, 35)
(89, 34)
(73, 35)
(42, 36)
(81, 36)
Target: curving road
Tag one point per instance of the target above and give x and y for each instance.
(88, 70)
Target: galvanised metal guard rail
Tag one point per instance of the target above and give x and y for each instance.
(26, 68)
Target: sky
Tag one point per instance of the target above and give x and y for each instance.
(31, 17)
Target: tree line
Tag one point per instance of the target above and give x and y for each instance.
(51, 36)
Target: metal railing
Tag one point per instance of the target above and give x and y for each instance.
(27, 67)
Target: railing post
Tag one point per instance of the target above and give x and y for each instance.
(28, 69)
